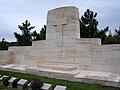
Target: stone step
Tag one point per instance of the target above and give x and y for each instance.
(58, 67)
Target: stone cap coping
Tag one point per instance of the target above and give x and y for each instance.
(22, 81)
(12, 79)
(59, 87)
(63, 8)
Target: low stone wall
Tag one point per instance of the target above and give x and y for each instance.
(6, 57)
(96, 57)
(106, 58)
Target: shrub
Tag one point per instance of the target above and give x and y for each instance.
(36, 84)
(14, 84)
(5, 81)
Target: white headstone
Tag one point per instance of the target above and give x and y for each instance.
(58, 87)
(11, 81)
(29, 86)
(3, 77)
(46, 87)
(21, 83)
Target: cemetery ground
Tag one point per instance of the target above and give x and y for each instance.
(54, 82)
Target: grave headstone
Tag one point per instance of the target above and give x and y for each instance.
(1, 78)
(59, 87)
(21, 83)
(11, 82)
(29, 86)
(46, 87)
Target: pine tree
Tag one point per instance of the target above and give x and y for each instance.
(3, 45)
(88, 25)
(41, 35)
(24, 39)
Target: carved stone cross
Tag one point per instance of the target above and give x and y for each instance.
(58, 24)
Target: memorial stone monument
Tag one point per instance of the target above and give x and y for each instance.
(64, 54)
(63, 48)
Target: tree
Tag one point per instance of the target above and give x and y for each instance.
(102, 34)
(117, 32)
(24, 39)
(88, 25)
(41, 35)
(117, 36)
(3, 45)
(110, 39)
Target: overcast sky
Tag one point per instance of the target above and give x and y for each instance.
(14, 12)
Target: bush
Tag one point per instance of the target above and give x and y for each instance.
(36, 84)
(5, 81)
(14, 84)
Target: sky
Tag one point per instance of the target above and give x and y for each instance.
(15, 12)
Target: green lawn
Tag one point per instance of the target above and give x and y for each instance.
(54, 82)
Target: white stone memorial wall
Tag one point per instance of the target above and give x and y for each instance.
(63, 46)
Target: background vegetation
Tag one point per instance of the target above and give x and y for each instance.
(88, 29)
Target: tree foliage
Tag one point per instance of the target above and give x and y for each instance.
(3, 45)
(41, 35)
(113, 39)
(117, 32)
(88, 29)
(24, 39)
(88, 26)
(117, 36)
(102, 34)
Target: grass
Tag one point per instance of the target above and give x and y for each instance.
(70, 85)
